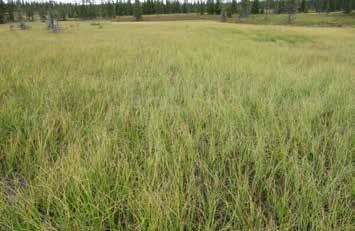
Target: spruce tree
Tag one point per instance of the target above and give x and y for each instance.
(52, 18)
(291, 10)
(234, 6)
(303, 7)
(2, 12)
(223, 14)
(201, 8)
(217, 7)
(210, 6)
(347, 6)
(229, 10)
(255, 7)
(42, 12)
(327, 6)
(244, 11)
(332, 5)
(11, 9)
(137, 10)
(129, 7)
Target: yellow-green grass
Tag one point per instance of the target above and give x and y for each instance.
(176, 126)
(168, 17)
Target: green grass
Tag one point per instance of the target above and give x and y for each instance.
(176, 126)
(335, 19)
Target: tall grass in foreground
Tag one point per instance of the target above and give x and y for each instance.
(174, 126)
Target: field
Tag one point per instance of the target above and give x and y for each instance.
(189, 125)
(334, 19)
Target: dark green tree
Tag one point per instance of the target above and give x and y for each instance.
(11, 10)
(29, 9)
(42, 12)
(52, 18)
(2, 11)
(210, 7)
(291, 10)
(255, 7)
(234, 6)
(303, 7)
(62, 14)
(137, 10)
(201, 8)
(217, 7)
(223, 17)
(244, 9)
(229, 10)
(347, 6)
(129, 7)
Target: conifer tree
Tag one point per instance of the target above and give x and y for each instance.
(42, 12)
(234, 6)
(347, 6)
(255, 7)
(210, 6)
(291, 9)
(217, 7)
(129, 7)
(201, 8)
(10, 10)
(229, 10)
(303, 7)
(244, 10)
(52, 18)
(223, 14)
(137, 10)
(2, 12)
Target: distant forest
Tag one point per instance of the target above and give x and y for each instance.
(12, 11)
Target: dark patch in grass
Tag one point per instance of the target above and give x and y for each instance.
(232, 31)
(281, 38)
(13, 185)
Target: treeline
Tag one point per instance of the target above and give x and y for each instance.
(15, 11)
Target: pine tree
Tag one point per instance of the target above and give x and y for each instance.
(268, 5)
(234, 6)
(291, 9)
(201, 8)
(327, 6)
(29, 11)
(184, 7)
(255, 7)
(10, 10)
(52, 18)
(210, 6)
(223, 14)
(347, 6)
(42, 12)
(244, 11)
(137, 10)
(2, 11)
(62, 13)
(332, 5)
(129, 7)
(303, 7)
(229, 10)
(217, 7)
(318, 5)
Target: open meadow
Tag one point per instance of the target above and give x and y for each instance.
(334, 19)
(190, 125)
